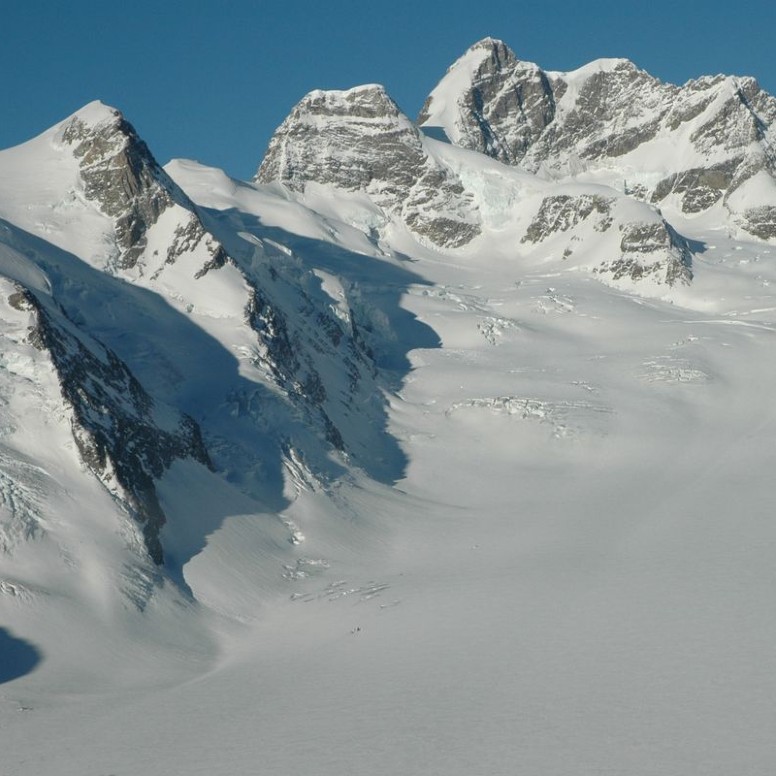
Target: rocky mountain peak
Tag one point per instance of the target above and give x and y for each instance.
(479, 90)
(326, 126)
(497, 54)
(691, 147)
(359, 140)
(368, 101)
(119, 175)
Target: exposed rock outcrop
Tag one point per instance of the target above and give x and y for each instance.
(646, 249)
(692, 146)
(120, 176)
(123, 179)
(504, 108)
(359, 140)
(122, 436)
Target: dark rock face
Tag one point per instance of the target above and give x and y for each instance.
(652, 238)
(760, 222)
(562, 212)
(616, 110)
(701, 187)
(509, 102)
(319, 362)
(299, 378)
(121, 176)
(188, 237)
(594, 117)
(359, 140)
(742, 115)
(647, 249)
(114, 421)
(651, 250)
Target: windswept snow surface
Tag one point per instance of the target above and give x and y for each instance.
(573, 575)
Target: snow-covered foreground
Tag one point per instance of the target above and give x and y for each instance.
(574, 576)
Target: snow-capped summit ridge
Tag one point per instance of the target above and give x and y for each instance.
(359, 140)
(492, 47)
(488, 42)
(94, 114)
(489, 82)
(600, 65)
(364, 102)
(350, 93)
(688, 147)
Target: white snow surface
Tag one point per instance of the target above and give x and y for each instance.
(573, 573)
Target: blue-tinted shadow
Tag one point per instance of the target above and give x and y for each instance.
(17, 657)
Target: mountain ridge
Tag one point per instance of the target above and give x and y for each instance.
(239, 377)
(142, 227)
(695, 145)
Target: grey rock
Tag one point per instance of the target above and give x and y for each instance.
(519, 114)
(562, 212)
(121, 176)
(113, 418)
(647, 249)
(759, 221)
(320, 363)
(359, 140)
(188, 236)
(651, 250)
(509, 104)
(702, 186)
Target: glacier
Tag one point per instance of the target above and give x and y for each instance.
(438, 447)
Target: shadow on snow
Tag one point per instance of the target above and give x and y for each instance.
(247, 426)
(17, 657)
(373, 290)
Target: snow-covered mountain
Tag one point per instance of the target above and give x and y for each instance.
(360, 141)
(706, 145)
(471, 413)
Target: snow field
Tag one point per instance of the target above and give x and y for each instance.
(572, 574)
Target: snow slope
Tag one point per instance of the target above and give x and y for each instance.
(542, 544)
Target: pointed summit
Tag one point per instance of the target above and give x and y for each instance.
(494, 49)
(482, 88)
(94, 114)
(120, 175)
(98, 132)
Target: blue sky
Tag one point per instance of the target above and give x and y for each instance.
(211, 80)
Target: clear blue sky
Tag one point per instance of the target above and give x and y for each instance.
(211, 80)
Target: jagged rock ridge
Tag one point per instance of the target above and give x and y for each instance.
(120, 434)
(359, 140)
(122, 178)
(708, 141)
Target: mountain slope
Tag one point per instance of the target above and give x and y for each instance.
(409, 455)
(359, 140)
(708, 142)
